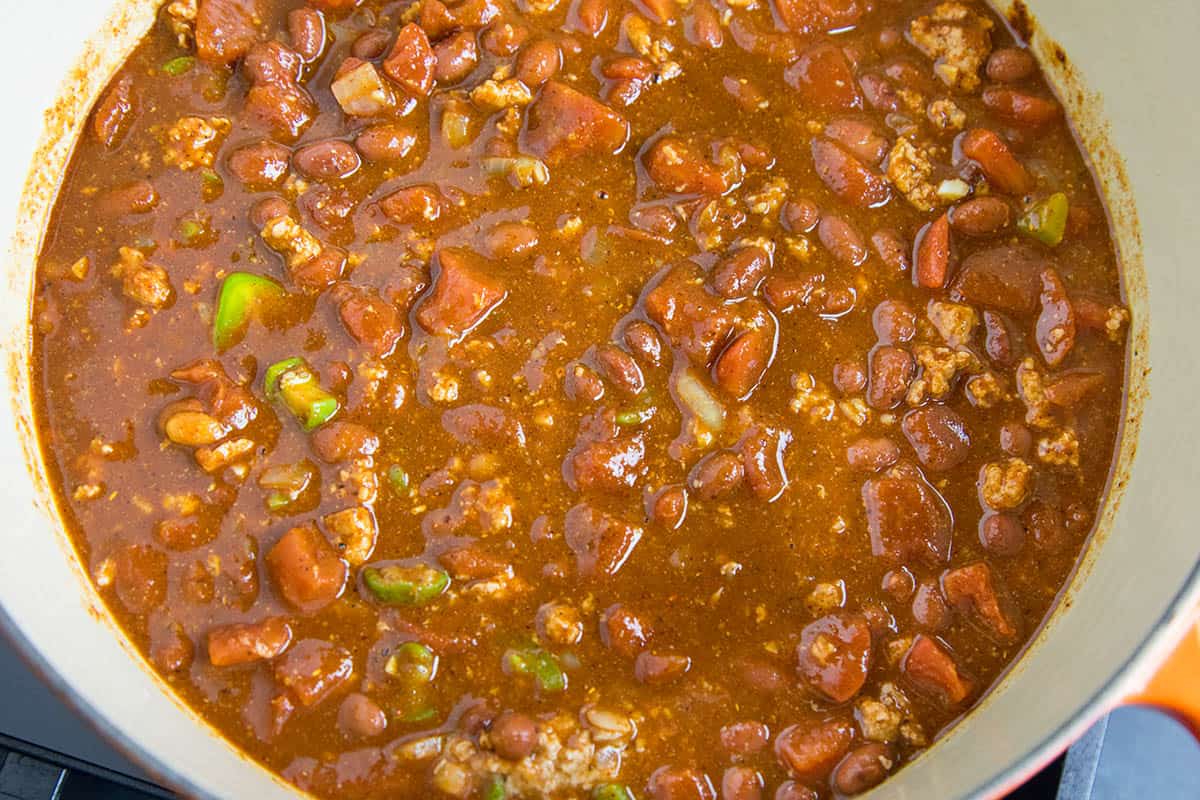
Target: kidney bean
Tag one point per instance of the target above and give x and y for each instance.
(899, 585)
(538, 62)
(306, 29)
(929, 608)
(800, 215)
(272, 63)
(267, 209)
(859, 138)
(110, 121)
(1044, 522)
(997, 161)
(939, 436)
(741, 783)
(932, 266)
(863, 768)
(641, 338)
(1010, 65)
(658, 219)
(623, 631)
(847, 177)
(140, 577)
(668, 506)
(456, 57)
(170, 648)
(891, 370)
(872, 453)
(879, 93)
(514, 735)
(849, 377)
(703, 26)
(981, 216)
(998, 339)
(582, 383)
(359, 717)
(1055, 328)
(261, 165)
(678, 783)
(370, 44)
(509, 240)
(502, 39)
(591, 16)
(385, 141)
(1001, 534)
(619, 368)
(135, 197)
(790, 790)
(891, 249)
(656, 669)
(716, 475)
(894, 321)
(739, 274)
(744, 738)
(842, 240)
(331, 159)
(1015, 439)
(247, 642)
(1020, 107)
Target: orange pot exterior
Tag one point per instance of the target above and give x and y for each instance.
(1175, 686)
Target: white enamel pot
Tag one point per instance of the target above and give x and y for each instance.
(1128, 84)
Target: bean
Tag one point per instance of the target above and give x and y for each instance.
(998, 339)
(842, 240)
(703, 26)
(456, 57)
(272, 63)
(894, 321)
(623, 631)
(738, 275)
(790, 790)
(537, 62)
(800, 215)
(744, 738)
(359, 717)
(641, 338)
(847, 177)
(582, 383)
(514, 735)
(267, 209)
(668, 506)
(331, 159)
(678, 783)
(508, 240)
(370, 44)
(385, 142)
(933, 254)
(502, 39)
(659, 219)
(872, 454)
(891, 370)
(1001, 534)
(306, 29)
(558, 623)
(863, 768)
(929, 608)
(1015, 439)
(939, 436)
(1010, 65)
(656, 669)
(136, 197)
(261, 165)
(899, 584)
(859, 138)
(741, 783)
(891, 249)
(849, 377)
(716, 475)
(980, 216)
(619, 368)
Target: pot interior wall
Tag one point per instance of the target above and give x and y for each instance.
(1134, 576)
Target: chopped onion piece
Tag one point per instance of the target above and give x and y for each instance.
(361, 92)
(699, 400)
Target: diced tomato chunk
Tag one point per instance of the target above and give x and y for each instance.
(462, 296)
(312, 669)
(226, 29)
(306, 569)
(243, 643)
(411, 61)
(563, 123)
(809, 752)
(931, 669)
(834, 654)
(601, 542)
(907, 519)
(677, 167)
(824, 79)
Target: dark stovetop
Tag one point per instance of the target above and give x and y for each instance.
(48, 753)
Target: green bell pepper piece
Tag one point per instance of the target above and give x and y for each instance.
(178, 66)
(496, 789)
(293, 382)
(539, 664)
(1046, 220)
(413, 585)
(240, 300)
(611, 791)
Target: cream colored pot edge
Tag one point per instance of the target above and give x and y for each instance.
(1123, 609)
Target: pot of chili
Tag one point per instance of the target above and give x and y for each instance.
(600, 399)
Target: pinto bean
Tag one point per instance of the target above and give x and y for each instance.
(306, 29)
(331, 159)
(980, 216)
(847, 177)
(842, 240)
(514, 735)
(741, 783)
(538, 62)
(849, 377)
(800, 215)
(656, 669)
(261, 165)
(859, 138)
(359, 717)
(623, 631)
(872, 454)
(641, 338)
(1001, 534)
(716, 475)
(891, 249)
(891, 370)
(678, 783)
(863, 768)
(456, 57)
(894, 321)
(1010, 65)
(619, 368)
(668, 506)
(744, 738)
(385, 142)
(739, 274)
